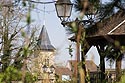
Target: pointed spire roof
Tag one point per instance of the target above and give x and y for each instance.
(44, 41)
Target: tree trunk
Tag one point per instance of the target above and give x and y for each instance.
(102, 62)
(84, 49)
(118, 68)
(83, 64)
(6, 45)
(77, 57)
(80, 73)
(102, 67)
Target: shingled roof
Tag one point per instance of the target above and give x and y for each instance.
(63, 71)
(108, 31)
(114, 25)
(44, 41)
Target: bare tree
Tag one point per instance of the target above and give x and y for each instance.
(11, 36)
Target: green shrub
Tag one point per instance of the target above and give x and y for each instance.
(122, 79)
(29, 78)
(10, 74)
(13, 74)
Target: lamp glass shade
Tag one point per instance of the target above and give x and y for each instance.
(63, 9)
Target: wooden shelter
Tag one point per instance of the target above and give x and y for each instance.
(110, 30)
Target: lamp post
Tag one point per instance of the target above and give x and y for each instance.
(49, 71)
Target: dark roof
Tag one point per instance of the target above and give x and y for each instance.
(106, 26)
(114, 25)
(108, 31)
(44, 41)
(63, 71)
(105, 39)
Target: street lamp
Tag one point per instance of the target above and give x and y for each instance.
(45, 68)
(49, 70)
(52, 68)
(63, 9)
